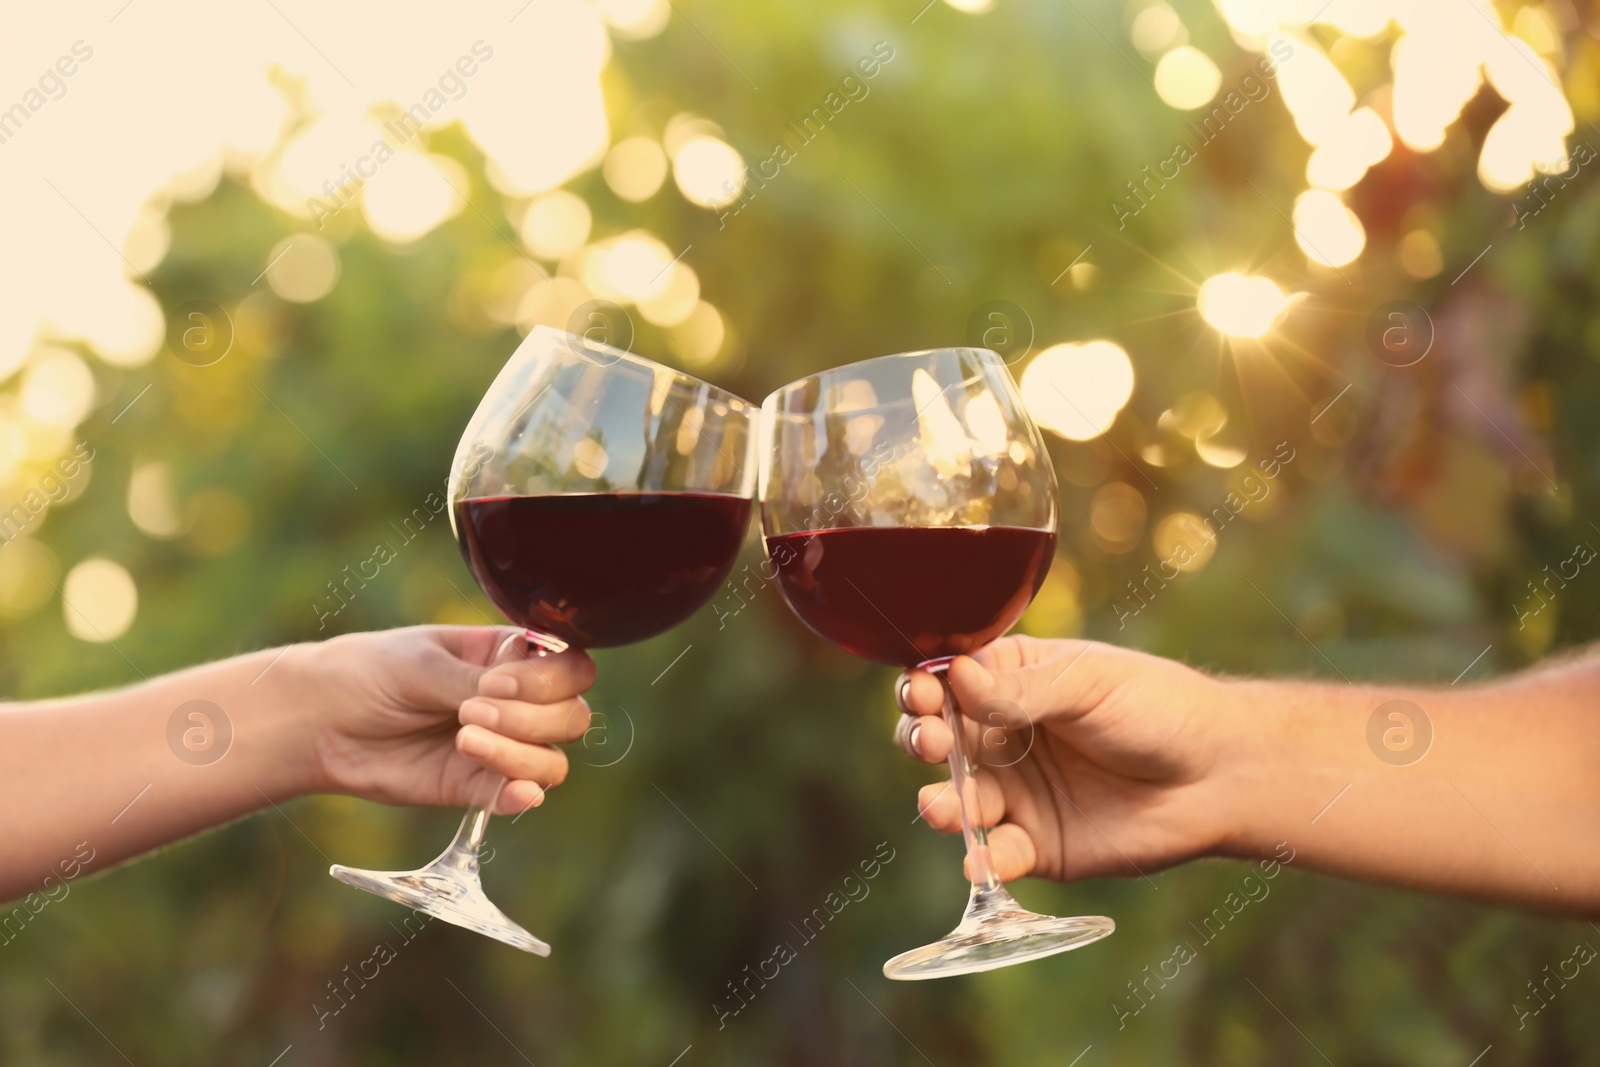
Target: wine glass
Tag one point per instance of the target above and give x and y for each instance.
(599, 499)
(909, 508)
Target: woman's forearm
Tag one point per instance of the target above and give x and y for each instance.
(148, 765)
(1491, 792)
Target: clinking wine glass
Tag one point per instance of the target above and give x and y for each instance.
(909, 507)
(599, 499)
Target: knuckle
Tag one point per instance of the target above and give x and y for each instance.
(579, 720)
(558, 768)
(568, 678)
(514, 718)
(484, 744)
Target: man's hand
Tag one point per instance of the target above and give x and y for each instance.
(1093, 760)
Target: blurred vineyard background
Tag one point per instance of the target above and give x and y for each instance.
(980, 163)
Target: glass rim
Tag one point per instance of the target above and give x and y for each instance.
(572, 341)
(858, 364)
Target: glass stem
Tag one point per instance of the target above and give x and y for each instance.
(462, 855)
(963, 778)
(473, 827)
(463, 851)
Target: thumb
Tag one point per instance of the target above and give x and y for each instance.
(445, 662)
(474, 646)
(1065, 685)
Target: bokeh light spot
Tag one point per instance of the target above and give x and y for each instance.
(635, 168)
(1116, 516)
(635, 19)
(302, 268)
(700, 338)
(1186, 78)
(709, 171)
(1156, 29)
(151, 501)
(1076, 391)
(411, 195)
(632, 267)
(1419, 254)
(676, 301)
(556, 224)
(1241, 305)
(590, 458)
(58, 388)
(1180, 539)
(99, 599)
(1328, 232)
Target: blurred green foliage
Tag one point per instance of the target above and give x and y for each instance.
(760, 771)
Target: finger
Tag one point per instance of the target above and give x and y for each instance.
(990, 806)
(905, 733)
(538, 679)
(517, 796)
(441, 665)
(540, 724)
(1006, 654)
(919, 693)
(940, 806)
(474, 645)
(923, 738)
(449, 664)
(1065, 684)
(1011, 851)
(514, 759)
(927, 739)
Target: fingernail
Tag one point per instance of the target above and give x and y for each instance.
(915, 738)
(480, 713)
(902, 693)
(475, 743)
(497, 685)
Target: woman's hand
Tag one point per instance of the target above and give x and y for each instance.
(421, 716)
(1093, 760)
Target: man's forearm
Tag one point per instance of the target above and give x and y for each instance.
(1490, 792)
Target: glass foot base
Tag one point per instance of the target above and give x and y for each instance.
(446, 892)
(996, 932)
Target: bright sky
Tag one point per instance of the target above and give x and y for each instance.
(161, 88)
(162, 93)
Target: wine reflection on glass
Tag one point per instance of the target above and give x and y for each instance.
(909, 507)
(599, 499)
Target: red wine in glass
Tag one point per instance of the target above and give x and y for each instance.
(905, 595)
(601, 569)
(599, 499)
(909, 508)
